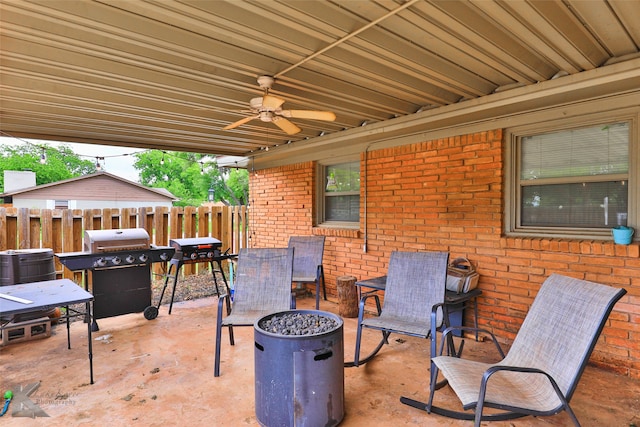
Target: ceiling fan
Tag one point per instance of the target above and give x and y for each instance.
(268, 108)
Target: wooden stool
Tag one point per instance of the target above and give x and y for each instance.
(347, 296)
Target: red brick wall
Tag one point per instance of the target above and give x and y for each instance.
(448, 195)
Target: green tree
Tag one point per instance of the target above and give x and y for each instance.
(189, 176)
(60, 163)
(238, 185)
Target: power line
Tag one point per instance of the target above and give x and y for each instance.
(44, 147)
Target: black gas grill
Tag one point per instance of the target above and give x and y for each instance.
(118, 265)
(190, 251)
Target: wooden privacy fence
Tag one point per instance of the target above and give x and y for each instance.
(62, 230)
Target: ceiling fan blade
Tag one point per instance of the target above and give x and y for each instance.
(309, 114)
(271, 102)
(286, 125)
(239, 122)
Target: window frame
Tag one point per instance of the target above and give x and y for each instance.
(513, 194)
(61, 204)
(321, 180)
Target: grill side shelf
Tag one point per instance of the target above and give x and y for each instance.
(76, 261)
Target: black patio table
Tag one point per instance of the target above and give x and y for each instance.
(46, 295)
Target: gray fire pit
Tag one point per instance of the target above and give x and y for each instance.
(299, 369)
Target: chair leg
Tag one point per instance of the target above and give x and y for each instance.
(356, 356)
(572, 415)
(433, 383)
(324, 287)
(320, 279)
(216, 367)
(478, 414)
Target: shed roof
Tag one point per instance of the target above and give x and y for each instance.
(99, 185)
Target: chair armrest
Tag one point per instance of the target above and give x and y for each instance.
(497, 368)
(434, 325)
(450, 329)
(365, 296)
(222, 300)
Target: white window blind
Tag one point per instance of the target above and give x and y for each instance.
(575, 178)
(342, 193)
(596, 150)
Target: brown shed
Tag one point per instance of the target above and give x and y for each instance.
(95, 191)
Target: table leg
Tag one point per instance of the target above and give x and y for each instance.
(66, 307)
(475, 315)
(213, 274)
(175, 283)
(89, 342)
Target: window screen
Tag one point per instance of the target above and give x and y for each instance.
(342, 192)
(575, 178)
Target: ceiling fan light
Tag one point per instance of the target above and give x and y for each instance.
(266, 116)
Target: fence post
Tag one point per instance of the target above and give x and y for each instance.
(23, 228)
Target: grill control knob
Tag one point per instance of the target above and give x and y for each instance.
(143, 257)
(100, 262)
(116, 260)
(163, 256)
(130, 259)
(194, 256)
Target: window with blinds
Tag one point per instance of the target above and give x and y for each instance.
(61, 204)
(575, 178)
(341, 194)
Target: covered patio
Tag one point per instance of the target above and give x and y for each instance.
(432, 99)
(160, 372)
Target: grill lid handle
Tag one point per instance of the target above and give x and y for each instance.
(121, 247)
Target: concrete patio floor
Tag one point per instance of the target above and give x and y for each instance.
(160, 372)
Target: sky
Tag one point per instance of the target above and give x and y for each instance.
(118, 160)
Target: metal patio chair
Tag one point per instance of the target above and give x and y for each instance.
(542, 369)
(413, 300)
(307, 262)
(262, 286)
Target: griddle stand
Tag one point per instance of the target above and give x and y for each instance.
(151, 312)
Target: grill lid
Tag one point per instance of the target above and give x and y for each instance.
(195, 243)
(123, 239)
